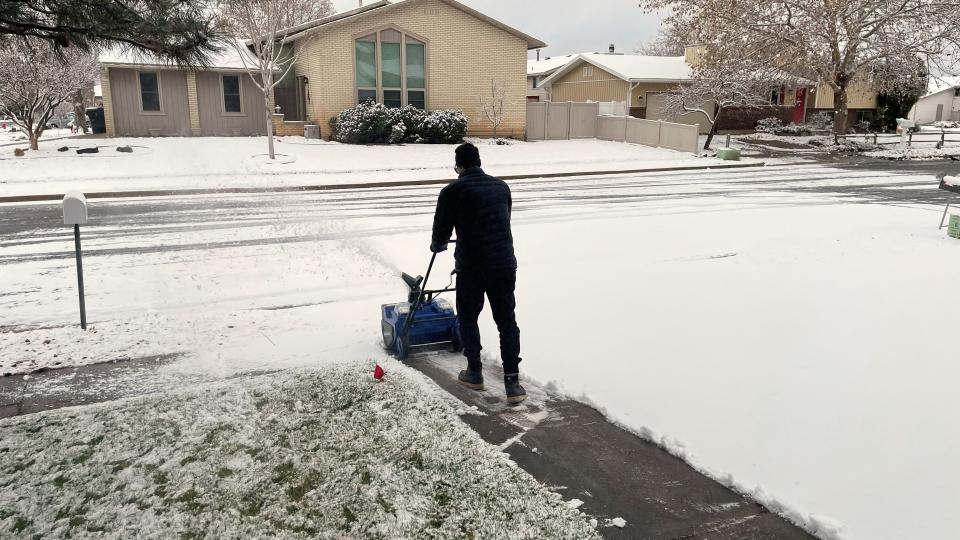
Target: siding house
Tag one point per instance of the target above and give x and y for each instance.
(143, 96)
(538, 70)
(942, 102)
(430, 54)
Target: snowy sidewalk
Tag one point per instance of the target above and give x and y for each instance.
(237, 165)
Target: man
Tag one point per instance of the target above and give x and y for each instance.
(478, 206)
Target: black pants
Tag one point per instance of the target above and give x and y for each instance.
(499, 286)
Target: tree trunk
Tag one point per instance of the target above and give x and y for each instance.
(713, 129)
(840, 111)
(34, 140)
(80, 114)
(266, 107)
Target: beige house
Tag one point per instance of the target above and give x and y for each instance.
(430, 54)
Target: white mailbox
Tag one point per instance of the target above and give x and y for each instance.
(74, 208)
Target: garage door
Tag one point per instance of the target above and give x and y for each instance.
(655, 112)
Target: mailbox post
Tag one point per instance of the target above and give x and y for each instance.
(75, 213)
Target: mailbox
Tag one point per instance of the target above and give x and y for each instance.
(74, 208)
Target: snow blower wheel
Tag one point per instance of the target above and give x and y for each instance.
(424, 321)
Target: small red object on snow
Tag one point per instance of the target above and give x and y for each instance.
(378, 372)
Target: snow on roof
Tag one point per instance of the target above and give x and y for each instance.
(548, 65)
(939, 84)
(631, 67)
(384, 5)
(228, 58)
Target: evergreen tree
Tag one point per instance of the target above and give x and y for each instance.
(179, 30)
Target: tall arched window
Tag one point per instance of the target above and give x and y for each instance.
(391, 68)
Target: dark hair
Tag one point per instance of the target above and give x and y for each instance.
(467, 156)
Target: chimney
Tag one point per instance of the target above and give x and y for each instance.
(538, 55)
(613, 48)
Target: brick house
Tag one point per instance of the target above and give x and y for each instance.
(431, 54)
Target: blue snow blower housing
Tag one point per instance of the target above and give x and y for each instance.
(424, 321)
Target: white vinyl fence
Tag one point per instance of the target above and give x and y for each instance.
(547, 121)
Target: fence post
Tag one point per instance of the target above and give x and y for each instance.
(659, 132)
(909, 139)
(569, 120)
(626, 127)
(874, 139)
(546, 121)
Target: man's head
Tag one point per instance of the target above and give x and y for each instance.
(467, 155)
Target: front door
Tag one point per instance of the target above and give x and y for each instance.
(800, 110)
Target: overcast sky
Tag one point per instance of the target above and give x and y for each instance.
(567, 26)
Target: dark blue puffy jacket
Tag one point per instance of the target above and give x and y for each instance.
(478, 206)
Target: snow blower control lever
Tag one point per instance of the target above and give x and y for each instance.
(423, 320)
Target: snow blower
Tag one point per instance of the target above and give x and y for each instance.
(424, 321)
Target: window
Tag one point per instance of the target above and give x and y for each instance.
(775, 96)
(231, 94)
(366, 53)
(416, 69)
(956, 92)
(588, 71)
(391, 68)
(149, 91)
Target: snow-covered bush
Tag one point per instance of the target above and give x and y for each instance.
(375, 123)
(444, 127)
(769, 125)
(821, 120)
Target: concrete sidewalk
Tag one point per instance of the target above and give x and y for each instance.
(361, 185)
(572, 447)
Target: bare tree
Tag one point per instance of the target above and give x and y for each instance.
(667, 42)
(492, 105)
(35, 79)
(728, 73)
(837, 40)
(261, 27)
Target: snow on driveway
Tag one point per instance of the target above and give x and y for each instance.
(787, 341)
(307, 454)
(229, 162)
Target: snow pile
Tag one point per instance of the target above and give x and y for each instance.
(950, 151)
(328, 454)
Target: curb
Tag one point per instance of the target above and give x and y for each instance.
(363, 185)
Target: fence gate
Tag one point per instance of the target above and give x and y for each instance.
(561, 121)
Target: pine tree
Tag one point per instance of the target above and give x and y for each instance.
(181, 31)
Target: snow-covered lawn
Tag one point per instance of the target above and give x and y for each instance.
(218, 162)
(791, 343)
(10, 139)
(328, 453)
(923, 147)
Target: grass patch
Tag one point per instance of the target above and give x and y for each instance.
(284, 455)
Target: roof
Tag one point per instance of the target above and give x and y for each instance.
(548, 65)
(632, 68)
(382, 6)
(939, 84)
(227, 59)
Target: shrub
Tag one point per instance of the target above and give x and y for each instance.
(444, 127)
(769, 125)
(375, 123)
(821, 120)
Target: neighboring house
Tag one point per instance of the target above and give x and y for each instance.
(538, 70)
(431, 54)
(143, 96)
(861, 101)
(942, 102)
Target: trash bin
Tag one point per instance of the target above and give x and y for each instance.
(97, 122)
(311, 132)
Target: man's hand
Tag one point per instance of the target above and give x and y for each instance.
(437, 248)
